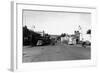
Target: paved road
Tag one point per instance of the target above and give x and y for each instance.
(55, 53)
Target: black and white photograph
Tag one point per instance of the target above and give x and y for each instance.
(55, 36)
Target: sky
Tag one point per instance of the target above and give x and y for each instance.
(56, 22)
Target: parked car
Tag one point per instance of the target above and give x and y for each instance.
(86, 43)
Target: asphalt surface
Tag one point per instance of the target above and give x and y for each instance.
(55, 53)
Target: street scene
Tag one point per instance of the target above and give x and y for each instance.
(56, 36)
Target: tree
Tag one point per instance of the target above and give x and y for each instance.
(63, 34)
(26, 31)
(89, 31)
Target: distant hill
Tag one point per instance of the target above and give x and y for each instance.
(54, 36)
